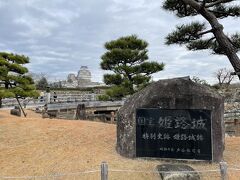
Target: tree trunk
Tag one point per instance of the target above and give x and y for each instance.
(131, 81)
(221, 38)
(25, 115)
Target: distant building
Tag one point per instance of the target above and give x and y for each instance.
(83, 79)
(84, 74)
(71, 78)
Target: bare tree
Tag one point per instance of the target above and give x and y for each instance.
(224, 77)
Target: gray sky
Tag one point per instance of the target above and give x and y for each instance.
(59, 36)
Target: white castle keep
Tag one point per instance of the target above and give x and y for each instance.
(83, 79)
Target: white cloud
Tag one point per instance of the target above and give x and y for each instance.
(2, 4)
(133, 4)
(62, 15)
(37, 27)
(2, 45)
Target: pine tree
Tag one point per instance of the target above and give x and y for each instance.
(13, 79)
(209, 34)
(127, 58)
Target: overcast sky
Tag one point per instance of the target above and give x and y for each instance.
(60, 36)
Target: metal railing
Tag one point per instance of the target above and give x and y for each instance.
(105, 173)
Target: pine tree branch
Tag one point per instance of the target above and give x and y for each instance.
(185, 9)
(211, 39)
(205, 32)
(216, 3)
(226, 12)
(204, 4)
(226, 46)
(218, 12)
(200, 44)
(230, 41)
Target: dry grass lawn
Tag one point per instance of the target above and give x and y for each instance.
(34, 146)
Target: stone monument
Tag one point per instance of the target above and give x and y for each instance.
(173, 119)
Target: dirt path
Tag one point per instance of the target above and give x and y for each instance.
(35, 147)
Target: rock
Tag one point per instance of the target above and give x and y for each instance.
(45, 115)
(81, 112)
(52, 114)
(177, 172)
(171, 94)
(16, 111)
(38, 110)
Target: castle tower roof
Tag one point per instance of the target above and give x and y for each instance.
(84, 74)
